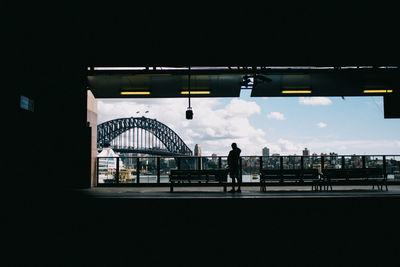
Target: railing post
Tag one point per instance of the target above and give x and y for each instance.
(280, 162)
(199, 163)
(158, 170)
(137, 170)
(384, 167)
(97, 171)
(302, 162)
(219, 162)
(363, 162)
(343, 162)
(117, 172)
(179, 163)
(261, 164)
(322, 163)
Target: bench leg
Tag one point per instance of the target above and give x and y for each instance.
(225, 188)
(171, 188)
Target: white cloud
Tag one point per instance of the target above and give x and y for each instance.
(276, 115)
(342, 147)
(214, 127)
(321, 125)
(288, 147)
(315, 101)
(216, 124)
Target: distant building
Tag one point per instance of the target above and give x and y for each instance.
(275, 154)
(197, 153)
(197, 150)
(265, 151)
(214, 157)
(306, 152)
(107, 159)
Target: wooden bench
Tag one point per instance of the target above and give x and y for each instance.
(355, 176)
(219, 176)
(289, 176)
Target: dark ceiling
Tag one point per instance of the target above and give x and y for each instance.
(227, 82)
(43, 37)
(274, 34)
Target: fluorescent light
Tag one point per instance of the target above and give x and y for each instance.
(377, 91)
(296, 92)
(135, 92)
(195, 92)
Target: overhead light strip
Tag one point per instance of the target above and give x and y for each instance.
(135, 92)
(196, 92)
(296, 91)
(377, 91)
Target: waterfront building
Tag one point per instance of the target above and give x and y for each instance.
(306, 152)
(197, 153)
(265, 151)
(107, 164)
(107, 167)
(197, 150)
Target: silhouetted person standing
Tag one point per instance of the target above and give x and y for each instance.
(233, 164)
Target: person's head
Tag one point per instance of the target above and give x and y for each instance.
(234, 145)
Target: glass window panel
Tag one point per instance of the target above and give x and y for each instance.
(148, 170)
(107, 170)
(250, 169)
(393, 167)
(166, 164)
(271, 163)
(352, 162)
(127, 170)
(291, 162)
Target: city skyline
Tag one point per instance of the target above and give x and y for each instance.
(354, 125)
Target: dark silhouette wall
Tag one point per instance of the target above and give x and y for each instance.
(53, 141)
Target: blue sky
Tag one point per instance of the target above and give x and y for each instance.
(355, 125)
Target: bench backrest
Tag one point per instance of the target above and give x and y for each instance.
(289, 174)
(354, 173)
(217, 175)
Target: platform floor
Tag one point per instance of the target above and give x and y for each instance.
(247, 192)
(203, 226)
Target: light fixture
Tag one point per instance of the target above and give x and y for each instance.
(189, 111)
(380, 91)
(296, 90)
(195, 92)
(135, 92)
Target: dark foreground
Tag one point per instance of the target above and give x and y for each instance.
(66, 228)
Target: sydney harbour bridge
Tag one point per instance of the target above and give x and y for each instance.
(140, 135)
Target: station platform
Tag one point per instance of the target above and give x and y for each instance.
(204, 226)
(247, 192)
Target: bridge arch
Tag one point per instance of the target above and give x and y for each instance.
(110, 130)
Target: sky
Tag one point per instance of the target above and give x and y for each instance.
(286, 125)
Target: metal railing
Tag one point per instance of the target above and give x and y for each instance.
(154, 170)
